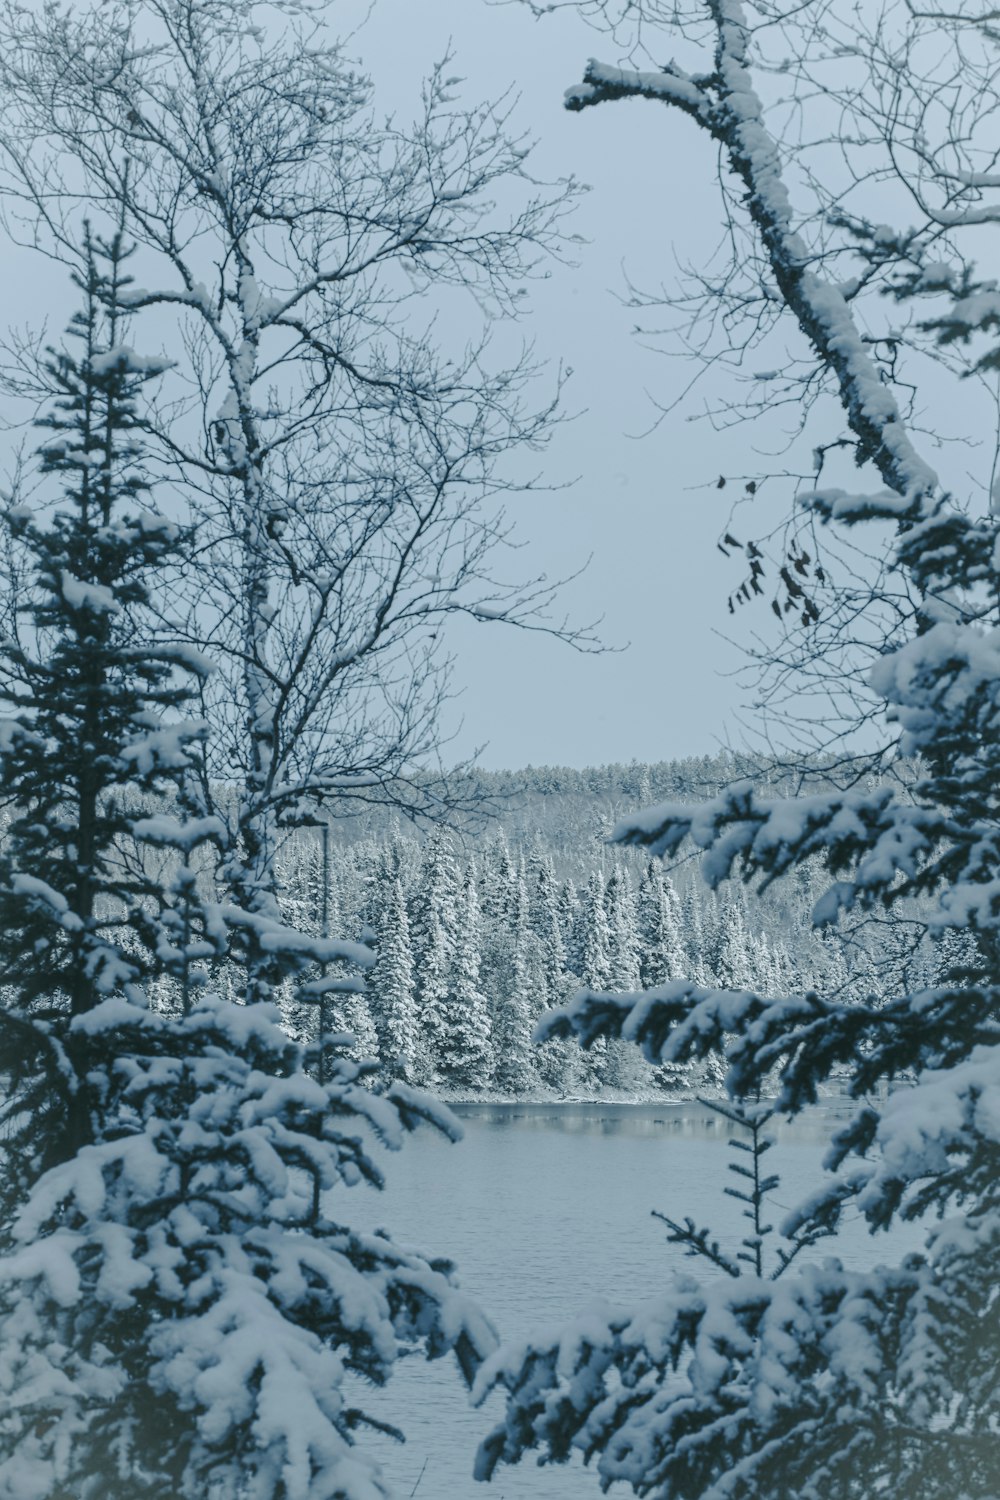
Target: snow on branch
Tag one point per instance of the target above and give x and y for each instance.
(726, 105)
(742, 833)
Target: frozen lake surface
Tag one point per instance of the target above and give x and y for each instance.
(544, 1207)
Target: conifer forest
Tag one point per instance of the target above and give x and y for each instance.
(278, 387)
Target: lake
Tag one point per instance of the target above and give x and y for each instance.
(545, 1207)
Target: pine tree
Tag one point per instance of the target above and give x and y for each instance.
(465, 1055)
(392, 989)
(623, 926)
(836, 1382)
(88, 745)
(179, 1312)
(433, 930)
(513, 1005)
(570, 926)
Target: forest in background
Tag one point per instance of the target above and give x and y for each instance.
(481, 929)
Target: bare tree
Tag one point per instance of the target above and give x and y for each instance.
(840, 1384)
(300, 257)
(857, 173)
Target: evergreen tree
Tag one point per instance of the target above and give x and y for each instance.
(180, 1315)
(465, 1055)
(392, 989)
(661, 955)
(734, 967)
(499, 896)
(753, 1189)
(623, 1067)
(697, 966)
(433, 934)
(595, 944)
(623, 931)
(553, 961)
(350, 1016)
(570, 926)
(88, 745)
(513, 1006)
(542, 889)
(836, 1382)
(596, 971)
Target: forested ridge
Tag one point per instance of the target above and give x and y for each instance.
(480, 929)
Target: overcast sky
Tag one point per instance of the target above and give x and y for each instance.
(645, 507)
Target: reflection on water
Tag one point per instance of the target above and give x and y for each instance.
(689, 1119)
(545, 1208)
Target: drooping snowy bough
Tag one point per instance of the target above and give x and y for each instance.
(184, 1308)
(832, 1383)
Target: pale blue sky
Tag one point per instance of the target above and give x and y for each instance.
(645, 508)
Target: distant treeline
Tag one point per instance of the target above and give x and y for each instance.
(479, 930)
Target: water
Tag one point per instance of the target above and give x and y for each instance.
(544, 1208)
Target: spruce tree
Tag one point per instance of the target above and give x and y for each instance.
(662, 957)
(433, 929)
(513, 1009)
(662, 953)
(623, 925)
(87, 744)
(181, 1305)
(594, 937)
(570, 928)
(596, 970)
(499, 880)
(465, 1057)
(392, 989)
(623, 1068)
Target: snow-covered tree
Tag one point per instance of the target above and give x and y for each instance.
(734, 967)
(465, 1052)
(695, 944)
(831, 1382)
(596, 970)
(391, 987)
(183, 1309)
(567, 910)
(662, 954)
(661, 951)
(90, 739)
(499, 880)
(433, 930)
(624, 1069)
(332, 454)
(623, 925)
(513, 1003)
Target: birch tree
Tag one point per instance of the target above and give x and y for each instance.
(297, 251)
